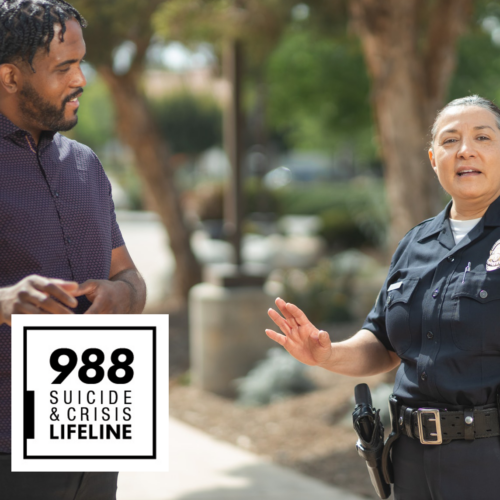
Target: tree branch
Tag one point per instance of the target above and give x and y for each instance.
(446, 24)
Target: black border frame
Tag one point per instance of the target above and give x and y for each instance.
(87, 457)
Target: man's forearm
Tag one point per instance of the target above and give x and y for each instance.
(361, 355)
(135, 283)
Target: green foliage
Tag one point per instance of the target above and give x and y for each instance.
(353, 214)
(190, 123)
(96, 116)
(111, 22)
(319, 92)
(257, 23)
(339, 288)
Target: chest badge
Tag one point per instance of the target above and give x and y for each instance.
(493, 261)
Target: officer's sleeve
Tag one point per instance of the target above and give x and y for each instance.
(375, 321)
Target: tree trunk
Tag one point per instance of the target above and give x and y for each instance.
(410, 70)
(136, 128)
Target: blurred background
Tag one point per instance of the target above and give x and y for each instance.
(264, 148)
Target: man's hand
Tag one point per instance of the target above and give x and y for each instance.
(107, 297)
(37, 295)
(302, 339)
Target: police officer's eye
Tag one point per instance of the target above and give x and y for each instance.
(483, 138)
(449, 141)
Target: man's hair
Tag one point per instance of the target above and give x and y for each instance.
(28, 25)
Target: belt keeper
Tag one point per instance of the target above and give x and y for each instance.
(407, 422)
(469, 424)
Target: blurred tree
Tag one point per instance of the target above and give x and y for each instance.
(189, 123)
(410, 52)
(125, 26)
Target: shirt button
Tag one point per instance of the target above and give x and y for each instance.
(451, 259)
(388, 301)
(68, 240)
(435, 293)
(430, 335)
(423, 376)
(56, 194)
(483, 294)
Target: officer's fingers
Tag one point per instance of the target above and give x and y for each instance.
(55, 290)
(277, 337)
(299, 317)
(282, 307)
(280, 321)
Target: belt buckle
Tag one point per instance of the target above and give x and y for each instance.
(436, 419)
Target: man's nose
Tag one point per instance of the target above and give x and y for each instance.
(79, 80)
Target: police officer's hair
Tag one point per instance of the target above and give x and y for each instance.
(470, 100)
(28, 25)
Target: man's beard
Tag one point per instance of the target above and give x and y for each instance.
(46, 115)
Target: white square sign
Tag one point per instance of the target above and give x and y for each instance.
(90, 393)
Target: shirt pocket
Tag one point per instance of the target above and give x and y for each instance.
(397, 313)
(475, 322)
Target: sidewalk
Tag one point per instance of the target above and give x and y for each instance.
(203, 468)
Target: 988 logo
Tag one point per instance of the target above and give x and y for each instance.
(91, 371)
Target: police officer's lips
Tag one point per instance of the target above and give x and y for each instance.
(468, 171)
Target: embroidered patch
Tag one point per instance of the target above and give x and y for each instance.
(494, 260)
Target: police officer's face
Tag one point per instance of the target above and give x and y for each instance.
(466, 155)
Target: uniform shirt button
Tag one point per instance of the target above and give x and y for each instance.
(423, 376)
(56, 194)
(68, 240)
(435, 293)
(388, 301)
(451, 259)
(430, 335)
(483, 294)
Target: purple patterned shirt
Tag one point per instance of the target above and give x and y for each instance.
(57, 220)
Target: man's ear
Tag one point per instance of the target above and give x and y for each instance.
(10, 78)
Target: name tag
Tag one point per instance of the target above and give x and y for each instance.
(395, 286)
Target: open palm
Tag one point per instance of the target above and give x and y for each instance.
(301, 338)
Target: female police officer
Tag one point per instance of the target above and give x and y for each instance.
(438, 316)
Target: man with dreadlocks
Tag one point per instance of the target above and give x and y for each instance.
(61, 251)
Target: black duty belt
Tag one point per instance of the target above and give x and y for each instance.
(434, 426)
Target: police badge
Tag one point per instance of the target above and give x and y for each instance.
(494, 260)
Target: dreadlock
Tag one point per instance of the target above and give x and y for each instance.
(27, 25)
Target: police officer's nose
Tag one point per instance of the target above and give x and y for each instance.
(466, 150)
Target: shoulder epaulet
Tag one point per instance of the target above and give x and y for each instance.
(420, 224)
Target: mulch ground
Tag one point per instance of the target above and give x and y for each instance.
(311, 433)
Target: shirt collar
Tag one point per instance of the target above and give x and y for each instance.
(440, 222)
(10, 130)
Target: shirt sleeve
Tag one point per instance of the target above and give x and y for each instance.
(375, 321)
(116, 235)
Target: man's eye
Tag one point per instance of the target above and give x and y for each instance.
(65, 70)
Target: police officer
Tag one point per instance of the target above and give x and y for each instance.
(438, 317)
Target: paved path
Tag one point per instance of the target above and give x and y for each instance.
(203, 468)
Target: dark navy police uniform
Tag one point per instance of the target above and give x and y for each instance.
(439, 310)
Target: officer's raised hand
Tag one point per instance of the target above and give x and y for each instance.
(37, 295)
(301, 338)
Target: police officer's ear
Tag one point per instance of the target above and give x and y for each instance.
(433, 160)
(10, 78)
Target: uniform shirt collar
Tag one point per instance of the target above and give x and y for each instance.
(440, 224)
